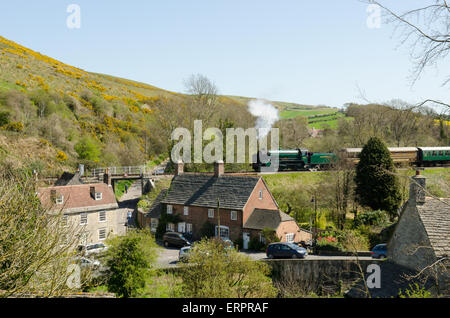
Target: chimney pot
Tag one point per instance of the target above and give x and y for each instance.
(179, 168)
(417, 189)
(219, 168)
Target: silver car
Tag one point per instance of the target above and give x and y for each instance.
(183, 255)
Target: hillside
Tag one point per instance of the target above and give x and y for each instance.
(84, 117)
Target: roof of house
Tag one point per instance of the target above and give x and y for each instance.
(394, 279)
(261, 219)
(435, 216)
(68, 178)
(77, 198)
(204, 190)
(155, 210)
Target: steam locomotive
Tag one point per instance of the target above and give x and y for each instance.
(302, 159)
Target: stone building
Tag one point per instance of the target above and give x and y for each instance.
(421, 239)
(91, 209)
(246, 207)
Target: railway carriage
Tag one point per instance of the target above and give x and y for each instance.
(432, 156)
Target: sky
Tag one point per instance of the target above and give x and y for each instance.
(308, 52)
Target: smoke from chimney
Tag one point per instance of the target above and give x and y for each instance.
(266, 114)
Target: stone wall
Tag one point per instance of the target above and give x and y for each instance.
(318, 276)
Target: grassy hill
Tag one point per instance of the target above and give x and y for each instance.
(84, 117)
(67, 115)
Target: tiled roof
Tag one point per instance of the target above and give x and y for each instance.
(155, 210)
(204, 190)
(78, 197)
(261, 219)
(435, 216)
(69, 179)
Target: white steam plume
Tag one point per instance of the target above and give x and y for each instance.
(266, 114)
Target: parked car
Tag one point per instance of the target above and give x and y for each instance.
(285, 250)
(92, 249)
(379, 251)
(183, 255)
(175, 239)
(86, 262)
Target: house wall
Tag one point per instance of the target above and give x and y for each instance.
(114, 224)
(292, 227)
(254, 202)
(409, 245)
(199, 215)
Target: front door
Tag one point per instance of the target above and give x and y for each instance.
(246, 239)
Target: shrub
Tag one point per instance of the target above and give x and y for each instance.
(61, 156)
(222, 273)
(378, 218)
(208, 230)
(16, 126)
(87, 149)
(4, 118)
(328, 243)
(256, 245)
(129, 259)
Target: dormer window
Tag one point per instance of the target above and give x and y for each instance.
(60, 199)
(98, 196)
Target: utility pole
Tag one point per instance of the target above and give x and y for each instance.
(315, 218)
(218, 217)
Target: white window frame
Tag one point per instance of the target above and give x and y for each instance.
(100, 216)
(182, 227)
(189, 228)
(98, 196)
(169, 209)
(222, 227)
(100, 235)
(153, 224)
(290, 237)
(84, 238)
(170, 227)
(186, 210)
(82, 215)
(233, 213)
(211, 213)
(59, 199)
(260, 194)
(65, 220)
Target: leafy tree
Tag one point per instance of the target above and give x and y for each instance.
(216, 272)
(129, 259)
(87, 149)
(35, 249)
(4, 118)
(376, 187)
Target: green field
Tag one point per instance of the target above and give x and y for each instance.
(292, 113)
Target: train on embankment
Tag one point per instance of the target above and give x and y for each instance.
(302, 159)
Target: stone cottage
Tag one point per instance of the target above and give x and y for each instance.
(91, 209)
(421, 239)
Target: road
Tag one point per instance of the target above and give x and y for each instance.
(168, 257)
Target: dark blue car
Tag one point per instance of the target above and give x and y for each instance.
(285, 250)
(379, 251)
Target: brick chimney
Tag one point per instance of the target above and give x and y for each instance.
(219, 168)
(179, 168)
(417, 188)
(92, 190)
(107, 178)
